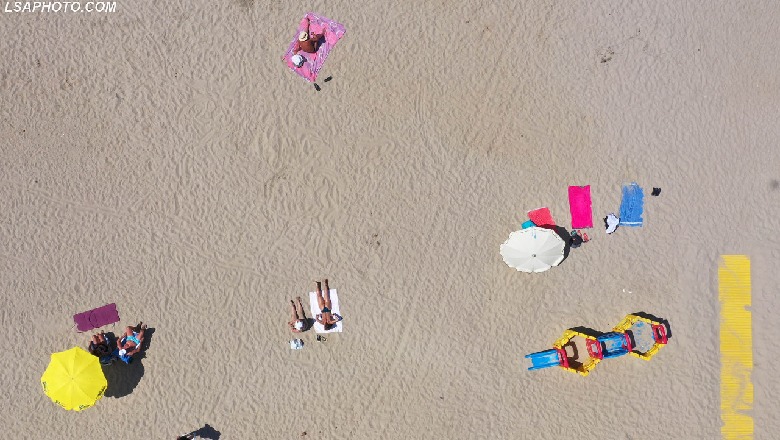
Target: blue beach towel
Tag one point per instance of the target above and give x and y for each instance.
(632, 205)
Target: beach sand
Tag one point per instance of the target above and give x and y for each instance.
(164, 158)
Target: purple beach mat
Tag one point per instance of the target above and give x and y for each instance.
(96, 318)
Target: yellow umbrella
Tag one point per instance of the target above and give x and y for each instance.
(74, 379)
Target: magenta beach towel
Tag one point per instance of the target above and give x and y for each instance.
(580, 207)
(318, 25)
(95, 318)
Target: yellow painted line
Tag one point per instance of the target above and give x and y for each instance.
(736, 348)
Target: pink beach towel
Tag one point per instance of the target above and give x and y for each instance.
(313, 62)
(541, 217)
(580, 207)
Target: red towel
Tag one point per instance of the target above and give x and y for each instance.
(580, 207)
(541, 217)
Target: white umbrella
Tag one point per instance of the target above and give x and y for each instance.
(533, 249)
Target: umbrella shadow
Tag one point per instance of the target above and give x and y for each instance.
(207, 432)
(564, 234)
(123, 378)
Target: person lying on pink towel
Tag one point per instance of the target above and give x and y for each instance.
(307, 42)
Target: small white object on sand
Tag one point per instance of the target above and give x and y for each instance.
(611, 222)
(296, 344)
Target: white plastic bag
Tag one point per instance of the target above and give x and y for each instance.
(611, 222)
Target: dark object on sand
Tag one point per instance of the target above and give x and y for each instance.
(656, 191)
(328, 78)
(317, 87)
(321, 338)
(576, 240)
(101, 350)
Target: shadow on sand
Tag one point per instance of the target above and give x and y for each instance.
(207, 432)
(655, 318)
(123, 378)
(564, 234)
(588, 331)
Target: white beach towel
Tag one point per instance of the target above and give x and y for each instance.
(314, 308)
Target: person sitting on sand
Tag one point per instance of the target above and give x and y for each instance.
(307, 42)
(298, 322)
(99, 347)
(576, 239)
(326, 317)
(130, 343)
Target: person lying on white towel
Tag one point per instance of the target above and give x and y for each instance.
(326, 318)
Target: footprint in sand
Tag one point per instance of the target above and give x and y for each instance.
(374, 241)
(606, 55)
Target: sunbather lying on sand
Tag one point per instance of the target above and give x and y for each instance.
(132, 339)
(326, 318)
(298, 322)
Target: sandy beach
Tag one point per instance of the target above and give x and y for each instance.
(163, 158)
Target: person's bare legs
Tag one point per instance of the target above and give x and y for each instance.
(320, 299)
(95, 339)
(293, 312)
(141, 333)
(326, 299)
(301, 314)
